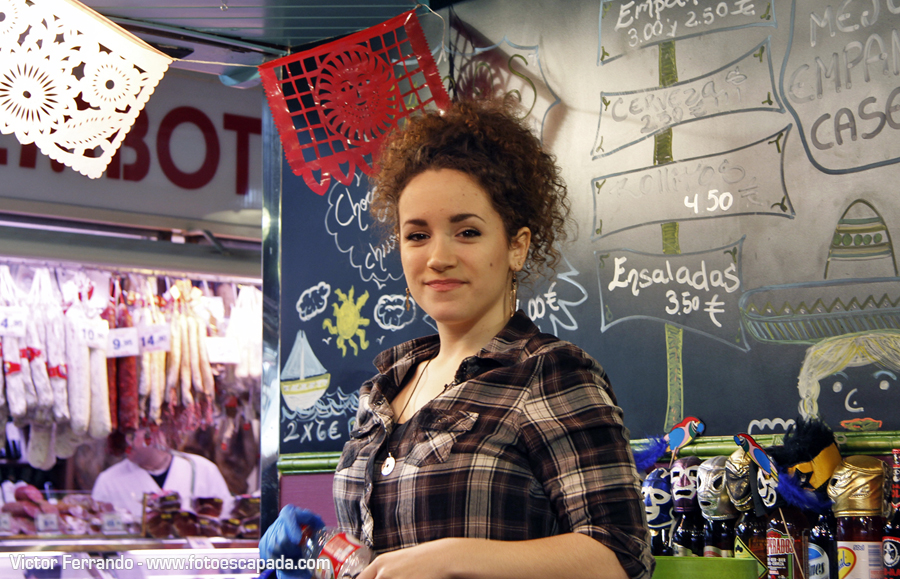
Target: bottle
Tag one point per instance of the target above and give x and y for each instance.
(859, 546)
(750, 540)
(823, 548)
(661, 542)
(787, 543)
(347, 557)
(718, 538)
(688, 537)
(890, 546)
(857, 489)
(890, 542)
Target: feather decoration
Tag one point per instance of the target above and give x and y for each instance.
(791, 490)
(648, 455)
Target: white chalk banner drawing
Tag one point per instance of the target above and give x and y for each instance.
(695, 291)
(839, 81)
(628, 25)
(355, 234)
(743, 181)
(744, 85)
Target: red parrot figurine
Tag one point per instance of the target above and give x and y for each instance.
(756, 454)
(682, 434)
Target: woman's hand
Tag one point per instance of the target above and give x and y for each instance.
(433, 560)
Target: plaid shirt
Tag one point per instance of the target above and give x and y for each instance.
(527, 442)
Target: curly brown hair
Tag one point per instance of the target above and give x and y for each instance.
(489, 141)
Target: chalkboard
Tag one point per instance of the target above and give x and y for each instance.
(733, 177)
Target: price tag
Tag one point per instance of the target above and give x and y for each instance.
(112, 524)
(155, 338)
(95, 332)
(46, 523)
(200, 543)
(122, 342)
(6, 524)
(223, 350)
(12, 321)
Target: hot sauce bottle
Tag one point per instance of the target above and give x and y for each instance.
(857, 488)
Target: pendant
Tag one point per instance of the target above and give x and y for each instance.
(388, 466)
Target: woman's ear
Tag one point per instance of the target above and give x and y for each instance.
(518, 248)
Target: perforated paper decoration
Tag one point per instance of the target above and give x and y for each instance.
(335, 103)
(71, 81)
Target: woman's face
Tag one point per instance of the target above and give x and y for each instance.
(455, 251)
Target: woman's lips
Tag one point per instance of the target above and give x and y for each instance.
(444, 285)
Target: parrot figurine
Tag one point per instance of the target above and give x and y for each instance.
(683, 433)
(646, 455)
(756, 454)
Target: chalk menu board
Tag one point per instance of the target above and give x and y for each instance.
(732, 167)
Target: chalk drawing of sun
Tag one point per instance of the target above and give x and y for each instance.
(348, 321)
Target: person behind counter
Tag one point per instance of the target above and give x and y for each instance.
(489, 449)
(151, 466)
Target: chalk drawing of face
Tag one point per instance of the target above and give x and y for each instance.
(856, 398)
(852, 380)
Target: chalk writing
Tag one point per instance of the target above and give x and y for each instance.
(695, 291)
(349, 222)
(746, 84)
(840, 83)
(628, 25)
(744, 181)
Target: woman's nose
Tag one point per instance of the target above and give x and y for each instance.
(441, 256)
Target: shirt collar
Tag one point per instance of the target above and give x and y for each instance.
(504, 349)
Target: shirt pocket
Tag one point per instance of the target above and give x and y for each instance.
(360, 438)
(437, 431)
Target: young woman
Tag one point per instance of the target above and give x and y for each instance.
(489, 449)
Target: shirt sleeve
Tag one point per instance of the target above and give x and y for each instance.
(579, 450)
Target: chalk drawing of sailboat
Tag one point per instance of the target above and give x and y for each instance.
(304, 379)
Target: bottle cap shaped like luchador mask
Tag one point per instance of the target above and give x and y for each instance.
(737, 480)
(767, 487)
(857, 487)
(684, 483)
(711, 492)
(657, 491)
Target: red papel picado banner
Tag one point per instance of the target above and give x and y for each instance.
(334, 103)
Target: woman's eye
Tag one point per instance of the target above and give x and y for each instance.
(470, 233)
(416, 237)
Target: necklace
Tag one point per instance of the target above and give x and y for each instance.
(388, 466)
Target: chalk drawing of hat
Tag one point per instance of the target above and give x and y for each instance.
(806, 313)
(861, 235)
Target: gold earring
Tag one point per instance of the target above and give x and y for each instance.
(513, 295)
(407, 299)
